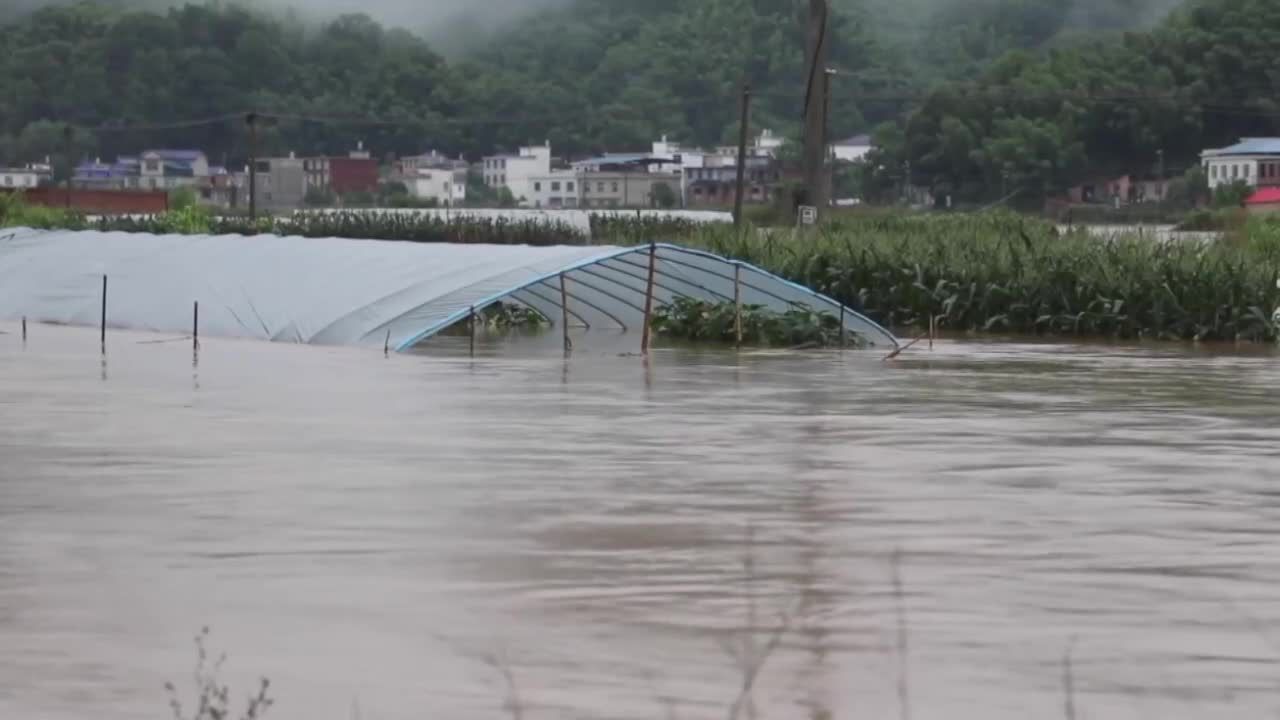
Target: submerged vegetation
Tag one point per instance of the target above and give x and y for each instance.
(1005, 273)
(995, 272)
(701, 321)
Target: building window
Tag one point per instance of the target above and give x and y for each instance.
(615, 187)
(537, 187)
(555, 186)
(502, 179)
(504, 164)
(1235, 171)
(568, 187)
(599, 187)
(153, 166)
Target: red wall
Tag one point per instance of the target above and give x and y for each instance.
(104, 202)
(348, 175)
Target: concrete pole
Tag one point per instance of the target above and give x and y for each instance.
(815, 137)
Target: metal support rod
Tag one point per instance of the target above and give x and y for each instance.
(471, 327)
(743, 132)
(648, 300)
(564, 314)
(737, 304)
(103, 325)
(195, 325)
(252, 121)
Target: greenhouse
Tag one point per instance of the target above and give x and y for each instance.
(334, 291)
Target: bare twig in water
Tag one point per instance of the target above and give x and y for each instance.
(904, 690)
(213, 699)
(904, 348)
(513, 703)
(1069, 682)
(751, 670)
(750, 658)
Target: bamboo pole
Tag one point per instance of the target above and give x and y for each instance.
(737, 304)
(844, 336)
(471, 327)
(564, 314)
(103, 324)
(195, 326)
(648, 300)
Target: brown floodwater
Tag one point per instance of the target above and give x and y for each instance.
(383, 537)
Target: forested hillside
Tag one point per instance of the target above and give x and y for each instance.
(1204, 77)
(970, 94)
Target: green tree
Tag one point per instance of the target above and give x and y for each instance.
(664, 197)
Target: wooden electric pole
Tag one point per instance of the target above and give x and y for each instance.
(814, 158)
(743, 132)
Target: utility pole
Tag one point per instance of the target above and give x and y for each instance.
(743, 131)
(815, 135)
(252, 121)
(67, 135)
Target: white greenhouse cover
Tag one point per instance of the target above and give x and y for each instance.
(350, 292)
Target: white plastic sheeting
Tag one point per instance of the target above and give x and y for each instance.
(350, 292)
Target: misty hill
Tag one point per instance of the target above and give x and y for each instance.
(587, 74)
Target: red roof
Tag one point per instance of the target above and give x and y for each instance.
(1265, 196)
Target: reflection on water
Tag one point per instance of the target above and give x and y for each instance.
(624, 536)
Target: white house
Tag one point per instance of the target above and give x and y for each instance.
(556, 189)
(768, 143)
(20, 178)
(1256, 161)
(683, 159)
(515, 172)
(446, 186)
(851, 149)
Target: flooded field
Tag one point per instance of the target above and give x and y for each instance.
(390, 538)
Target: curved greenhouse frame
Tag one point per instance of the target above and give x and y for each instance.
(335, 291)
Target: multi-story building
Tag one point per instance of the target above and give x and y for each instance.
(627, 188)
(280, 183)
(447, 186)
(716, 185)
(515, 172)
(1255, 161)
(355, 173)
(851, 149)
(31, 176)
(556, 189)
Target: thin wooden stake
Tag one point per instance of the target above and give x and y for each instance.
(103, 325)
(471, 326)
(844, 336)
(195, 325)
(648, 299)
(386, 345)
(932, 329)
(737, 304)
(24, 329)
(564, 314)
(904, 691)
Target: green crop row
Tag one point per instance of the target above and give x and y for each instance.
(1004, 273)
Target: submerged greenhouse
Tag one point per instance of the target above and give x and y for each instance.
(336, 291)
